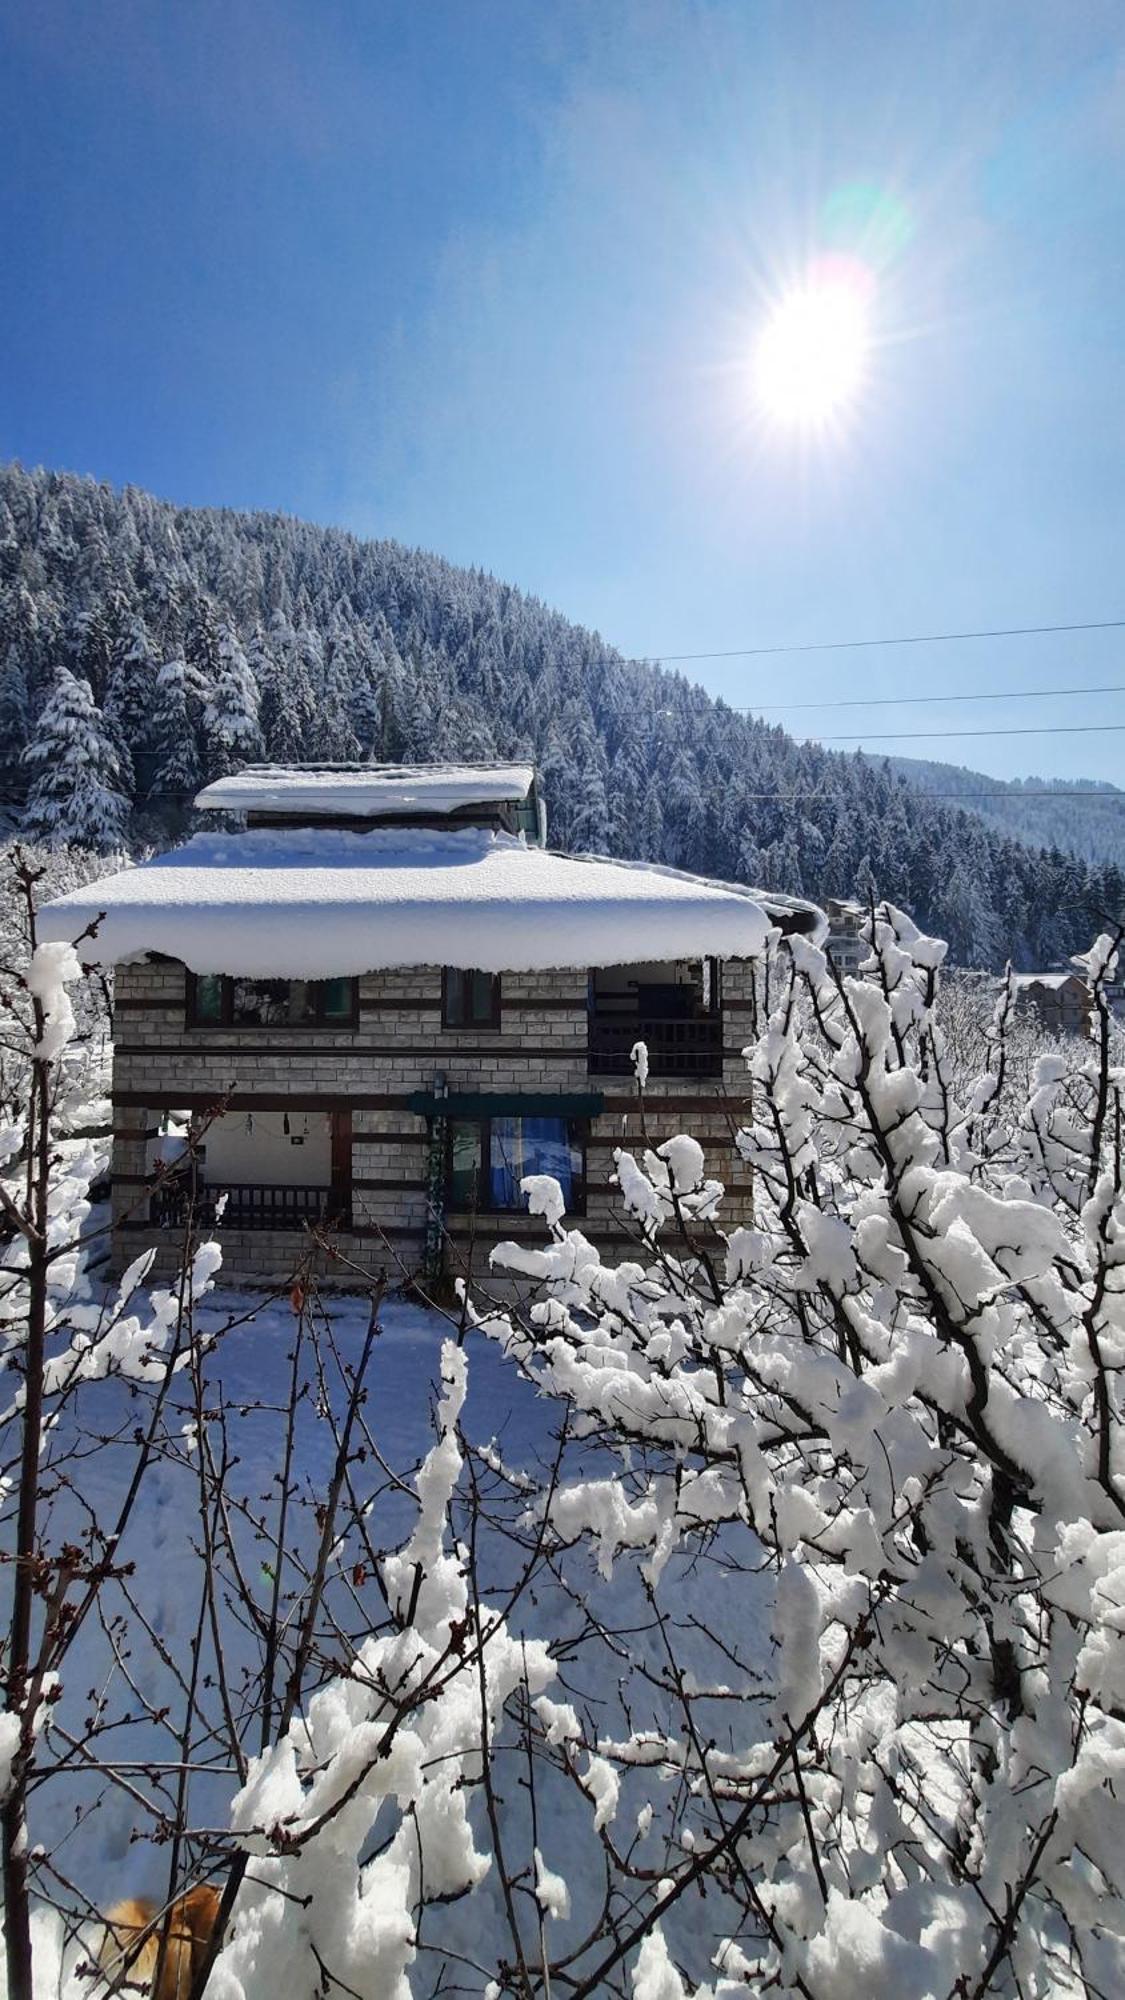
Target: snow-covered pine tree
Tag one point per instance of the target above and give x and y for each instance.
(74, 798)
(174, 733)
(589, 825)
(233, 734)
(100, 637)
(287, 708)
(335, 739)
(128, 705)
(9, 545)
(14, 717)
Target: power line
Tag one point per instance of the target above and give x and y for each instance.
(907, 639)
(916, 700)
(936, 735)
(1016, 795)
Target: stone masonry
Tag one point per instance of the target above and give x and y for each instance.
(400, 1046)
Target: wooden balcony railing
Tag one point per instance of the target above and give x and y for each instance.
(676, 1047)
(251, 1205)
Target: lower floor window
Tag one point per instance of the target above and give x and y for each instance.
(489, 1157)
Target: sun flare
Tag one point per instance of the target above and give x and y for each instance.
(813, 352)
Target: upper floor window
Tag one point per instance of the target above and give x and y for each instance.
(469, 999)
(215, 1000)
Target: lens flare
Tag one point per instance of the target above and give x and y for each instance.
(813, 352)
(868, 221)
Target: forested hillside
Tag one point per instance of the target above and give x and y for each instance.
(1084, 816)
(145, 647)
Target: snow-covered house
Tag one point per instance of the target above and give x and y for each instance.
(845, 943)
(1114, 981)
(381, 1003)
(1060, 999)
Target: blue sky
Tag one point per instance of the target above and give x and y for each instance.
(486, 277)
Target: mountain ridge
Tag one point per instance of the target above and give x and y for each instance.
(1025, 807)
(146, 647)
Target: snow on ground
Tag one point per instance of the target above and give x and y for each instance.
(106, 1850)
(322, 903)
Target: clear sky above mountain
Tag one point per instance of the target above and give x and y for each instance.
(489, 277)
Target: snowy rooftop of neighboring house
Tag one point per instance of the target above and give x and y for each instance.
(366, 791)
(1054, 980)
(319, 902)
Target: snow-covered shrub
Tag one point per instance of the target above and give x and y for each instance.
(82, 1085)
(360, 1809)
(975, 1010)
(63, 1338)
(895, 1405)
(801, 1666)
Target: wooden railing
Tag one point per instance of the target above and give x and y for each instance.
(251, 1205)
(676, 1047)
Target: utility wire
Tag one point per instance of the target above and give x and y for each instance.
(935, 735)
(916, 700)
(1017, 794)
(916, 790)
(908, 639)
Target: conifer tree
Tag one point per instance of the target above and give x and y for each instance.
(14, 716)
(130, 691)
(74, 797)
(175, 738)
(287, 709)
(233, 734)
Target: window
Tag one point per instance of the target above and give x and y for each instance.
(337, 1001)
(488, 1158)
(469, 999)
(216, 1001)
(205, 1000)
(273, 1003)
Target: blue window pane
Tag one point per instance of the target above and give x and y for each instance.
(522, 1146)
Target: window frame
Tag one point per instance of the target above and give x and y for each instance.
(577, 1132)
(320, 1023)
(463, 976)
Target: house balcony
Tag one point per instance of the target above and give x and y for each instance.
(674, 1009)
(676, 1046)
(250, 1205)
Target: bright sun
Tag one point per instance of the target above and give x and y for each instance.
(812, 353)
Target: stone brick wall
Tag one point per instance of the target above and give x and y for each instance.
(399, 1047)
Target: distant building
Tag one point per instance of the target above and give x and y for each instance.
(846, 946)
(1114, 986)
(1060, 999)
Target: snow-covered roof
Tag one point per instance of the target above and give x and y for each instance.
(1054, 980)
(320, 902)
(366, 791)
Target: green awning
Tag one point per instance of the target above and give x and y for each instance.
(507, 1104)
